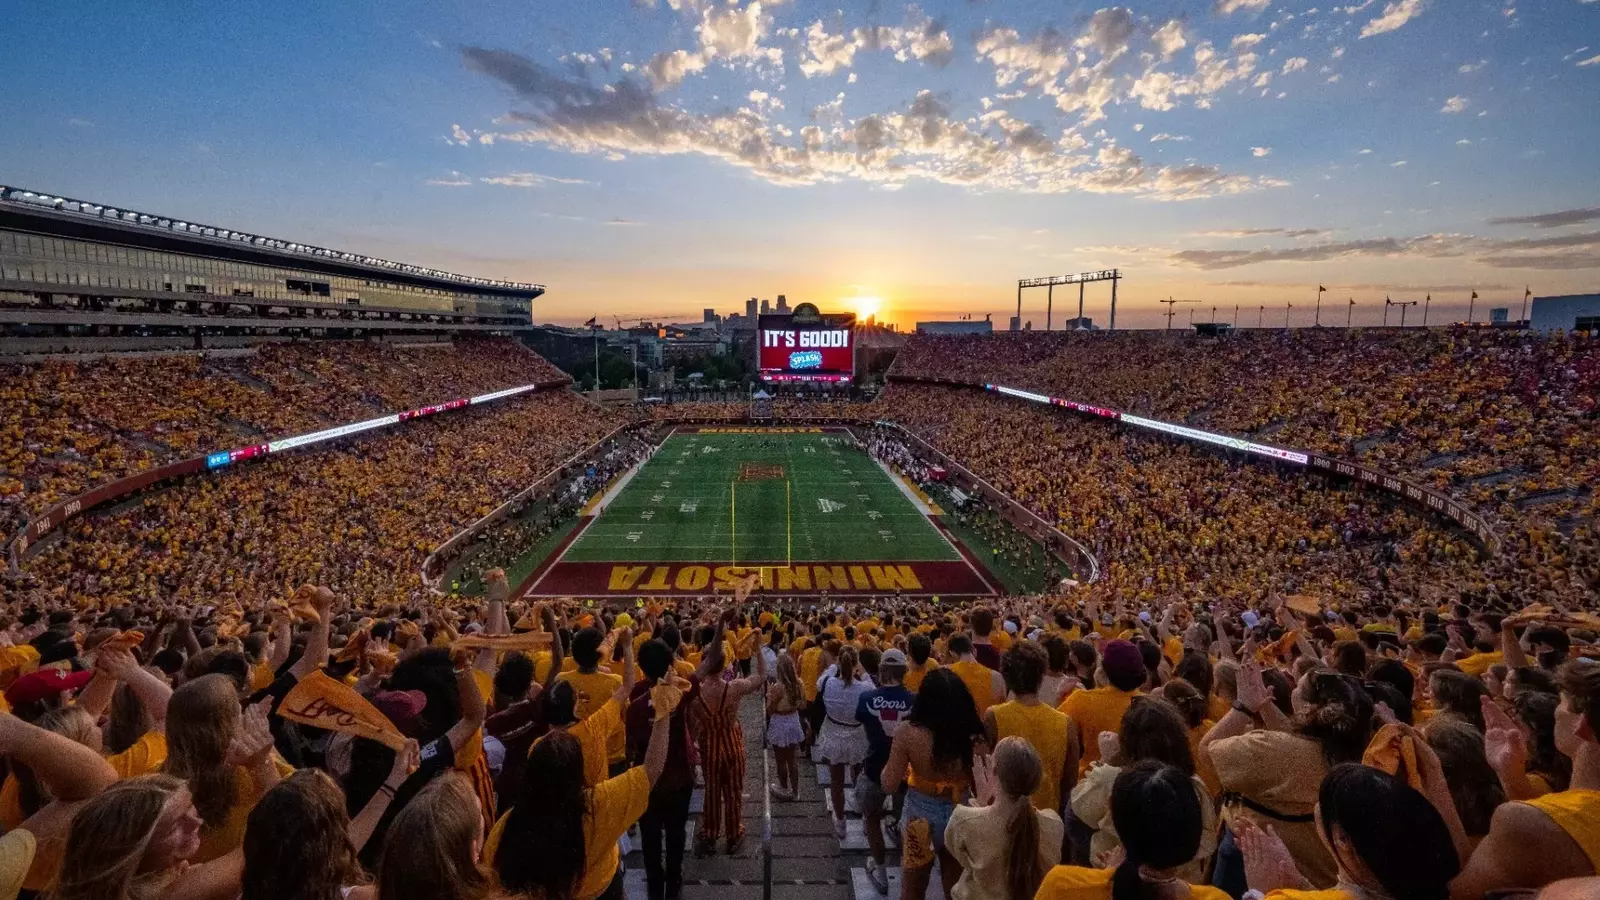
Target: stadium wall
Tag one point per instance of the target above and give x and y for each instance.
(1481, 533)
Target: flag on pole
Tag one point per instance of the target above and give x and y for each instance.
(1321, 289)
(591, 323)
(1474, 295)
(1527, 293)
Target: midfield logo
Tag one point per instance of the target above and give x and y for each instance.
(829, 506)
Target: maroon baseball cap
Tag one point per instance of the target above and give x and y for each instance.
(45, 683)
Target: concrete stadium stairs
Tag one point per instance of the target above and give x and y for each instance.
(808, 861)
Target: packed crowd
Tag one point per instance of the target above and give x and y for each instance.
(66, 427)
(1167, 518)
(315, 748)
(508, 542)
(1506, 420)
(360, 517)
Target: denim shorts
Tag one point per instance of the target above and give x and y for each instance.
(925, 819)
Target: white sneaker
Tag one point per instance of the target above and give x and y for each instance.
(878, 876)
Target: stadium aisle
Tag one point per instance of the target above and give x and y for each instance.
(807, 863)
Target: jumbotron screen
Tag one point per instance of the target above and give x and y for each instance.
(806, 346)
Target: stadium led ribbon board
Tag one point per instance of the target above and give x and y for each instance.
(1183, 431)
(225, 457)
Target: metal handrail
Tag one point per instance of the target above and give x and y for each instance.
(766, 809)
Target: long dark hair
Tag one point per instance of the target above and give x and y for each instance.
(945, 708)
(1459, 694)
(543, 850)
(1538, 712)
(297, 842)
(1157, 814)
(1153, 729)
(1401, 839)
(1474, 786)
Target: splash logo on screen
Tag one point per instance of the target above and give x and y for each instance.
(807, 359)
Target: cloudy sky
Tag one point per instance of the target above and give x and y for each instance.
(654, 157)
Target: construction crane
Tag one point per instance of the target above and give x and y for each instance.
(1172, 308)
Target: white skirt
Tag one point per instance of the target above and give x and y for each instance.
(840, 745)
(785, 731)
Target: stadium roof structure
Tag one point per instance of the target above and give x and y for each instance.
(68, 217)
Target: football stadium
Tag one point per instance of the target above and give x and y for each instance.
(351, 492)
(416, 482)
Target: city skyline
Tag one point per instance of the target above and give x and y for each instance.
(643, 158)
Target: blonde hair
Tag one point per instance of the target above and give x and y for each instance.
(427, 852)
(109, 838)
(789, 681)
(202, 719)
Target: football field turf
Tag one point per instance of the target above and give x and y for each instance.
(802, 507)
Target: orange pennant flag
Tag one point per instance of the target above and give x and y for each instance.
(503, 643)
(324, 703)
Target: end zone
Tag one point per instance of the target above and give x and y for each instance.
(618, 579)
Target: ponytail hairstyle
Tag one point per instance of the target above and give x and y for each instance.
(1188, 701)
(1338, 716)
(543, 851)
(1018, 770)
(848, 660)
(1157, 815)
(1395, 832)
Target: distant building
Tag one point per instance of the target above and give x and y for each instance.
(750, 309)
(964, 326)
(766, 307)
(1499, 315)
(708, 315)
(1083, 324)
(1575, 312)
(783, 304)
(1016, 323)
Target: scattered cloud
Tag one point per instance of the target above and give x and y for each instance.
(78, 122)
(1574, 251)
(920, 38)
(1552, 219)
(1163, 136)
(1294, 64)
(1469, 68)
(1229, 7)
(528, 180)
(1246, 40)
(1397, 164)
(1259, 152)
(454, 179)
(1260, 232)
(1395, 15)
(1455, 105)
(920, 141)
(1591, 61)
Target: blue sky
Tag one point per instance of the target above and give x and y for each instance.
(653, 158)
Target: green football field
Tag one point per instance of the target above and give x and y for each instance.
(762, 499)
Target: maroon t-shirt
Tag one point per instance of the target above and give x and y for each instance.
(987, 654)
(681, 756)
